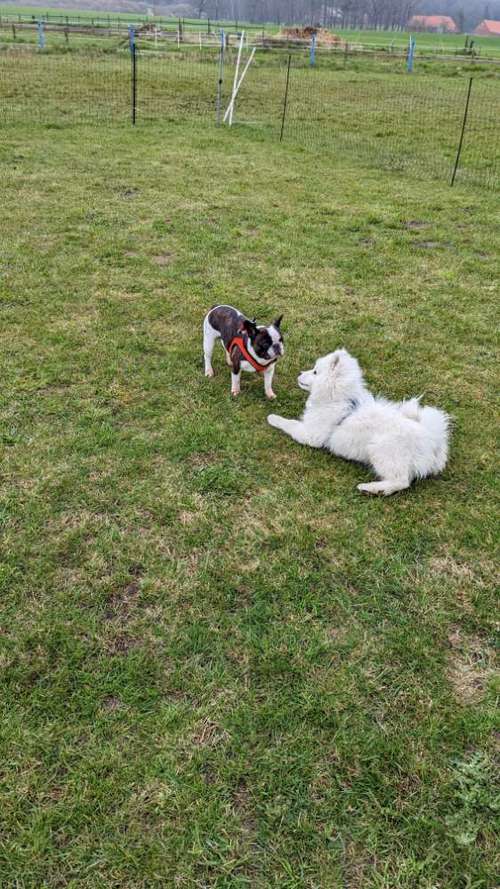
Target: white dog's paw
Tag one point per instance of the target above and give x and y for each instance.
(235, 393)
(374, 488)
(365, 489)
(210, 373)
(274, 420)
(271, 395)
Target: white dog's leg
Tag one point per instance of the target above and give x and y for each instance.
(386, 487)
(268, 381)
(390, 465)
(209, 337)
(295, 429)
(235, 384)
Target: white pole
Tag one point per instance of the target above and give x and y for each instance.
(230, 107)
(235, 81)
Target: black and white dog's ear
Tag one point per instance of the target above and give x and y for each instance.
(249, 327)
(278, 321)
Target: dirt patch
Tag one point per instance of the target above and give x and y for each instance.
(451, 568)
(432, 245)
(356, 864)
(208, 734)
(123, 600)
(200, 460)
(121, 643)
(242, 805)
(471, 665)
(111, 704)
(186, 517)
(163, 258)
(323, 37)
(413, 224)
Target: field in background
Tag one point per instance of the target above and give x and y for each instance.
(221, 666)
(440, 44)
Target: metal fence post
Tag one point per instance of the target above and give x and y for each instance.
(133, 56)
(312, 52)
(41, 35)
(459, 149)
(221, 75)
(285, 99)
(411, 53)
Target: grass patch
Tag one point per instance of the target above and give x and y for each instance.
(222, 666)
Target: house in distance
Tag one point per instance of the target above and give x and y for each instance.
(488, 28)
(440, 24)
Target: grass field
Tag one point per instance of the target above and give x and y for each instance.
(376, 112)
(221, 665)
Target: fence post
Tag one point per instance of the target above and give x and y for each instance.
(133, 56)
(459, 149)
(411, 51)
(41, 35)
(285, 99)
(221, 75)
(13, 31)
(312, 52)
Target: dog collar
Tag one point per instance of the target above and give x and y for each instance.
(239, 341)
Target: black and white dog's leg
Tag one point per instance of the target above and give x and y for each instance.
(268, 381)
(210, 335)
(235, 383)
(295, 429)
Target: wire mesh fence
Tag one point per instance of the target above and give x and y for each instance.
(407, 123)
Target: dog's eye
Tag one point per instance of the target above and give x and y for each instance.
(315, 372)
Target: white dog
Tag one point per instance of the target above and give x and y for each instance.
(400, 441)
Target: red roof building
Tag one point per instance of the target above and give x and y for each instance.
(442, 24)
(488, 28)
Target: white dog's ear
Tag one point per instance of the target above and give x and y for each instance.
(334, 363)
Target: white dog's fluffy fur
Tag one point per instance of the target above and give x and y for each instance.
(400, 441)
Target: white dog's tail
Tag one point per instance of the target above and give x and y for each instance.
(436, 423)
(411, 408)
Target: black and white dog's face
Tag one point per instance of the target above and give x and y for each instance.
(267, 342)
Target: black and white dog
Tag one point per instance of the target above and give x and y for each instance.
(248, 346)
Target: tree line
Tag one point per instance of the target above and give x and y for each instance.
(384, 14)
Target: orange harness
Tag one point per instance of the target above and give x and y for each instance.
(239, 341)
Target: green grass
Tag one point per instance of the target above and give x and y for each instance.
(380, 114)
(425, 42)
(221, 665)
